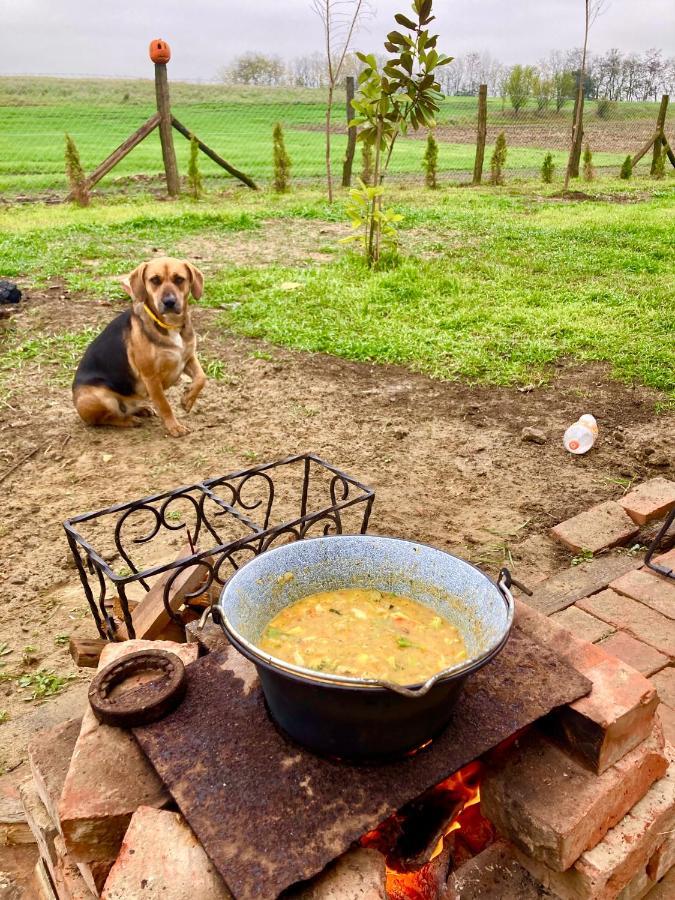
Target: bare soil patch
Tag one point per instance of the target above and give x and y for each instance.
(446, 461)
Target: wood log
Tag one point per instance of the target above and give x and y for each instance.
(223, 163)
(481, 135)
(351, 135)
(660, 131)
(645, 149)
(165, 132)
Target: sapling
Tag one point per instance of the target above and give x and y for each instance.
(430, 162)
(498, 159)
(194, 176)
(626, 168)
(282, 162)
(547, 169)
(589, 171)
(75, 174)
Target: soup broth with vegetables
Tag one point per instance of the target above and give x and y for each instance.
(366, 634)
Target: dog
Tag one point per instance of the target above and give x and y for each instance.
(125, 371)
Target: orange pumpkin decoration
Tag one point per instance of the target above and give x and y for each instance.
(160, 52)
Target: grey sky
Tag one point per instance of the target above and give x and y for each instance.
(97, 37)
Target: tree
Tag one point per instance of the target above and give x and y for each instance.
(256, 69)
(431, 161)
(589, 171)
(563, 88)
(404, 93)
(75, 174)
(519, 86)
(498, 159)
(282, 161)
(626, 168)
(194, 176)
(547, 169)
(542, 89)
(592, 9)
(339, 19)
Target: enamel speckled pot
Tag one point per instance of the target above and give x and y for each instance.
(360, 718)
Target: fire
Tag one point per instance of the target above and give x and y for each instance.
(464, 833)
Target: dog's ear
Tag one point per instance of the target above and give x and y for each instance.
(126, 285)
(196, 280)
(136, 283)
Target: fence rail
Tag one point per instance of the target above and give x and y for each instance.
(237, 122)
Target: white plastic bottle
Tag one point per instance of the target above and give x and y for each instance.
(580, 437)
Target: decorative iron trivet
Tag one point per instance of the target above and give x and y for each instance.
(270, 813)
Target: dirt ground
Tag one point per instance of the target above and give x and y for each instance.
(446, 461)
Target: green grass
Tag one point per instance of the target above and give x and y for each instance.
(493, 286)
(236, 121)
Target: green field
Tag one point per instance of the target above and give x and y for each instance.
(237, 121)
(492, 285)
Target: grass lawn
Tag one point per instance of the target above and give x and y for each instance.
(492, 285)
(237, 122)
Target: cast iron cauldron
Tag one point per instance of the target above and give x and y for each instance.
(360, 718)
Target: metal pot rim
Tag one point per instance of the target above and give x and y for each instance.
(460, 669)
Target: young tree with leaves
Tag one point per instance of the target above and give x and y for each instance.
(75, 174)
(589, 171)
(498, 159)
(430, 163)
(339, 20)
(194, 177)
(282, 161)
(547, 169)
(404, 93)
(626, 168)
(519, 86)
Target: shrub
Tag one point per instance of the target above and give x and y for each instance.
(547, 169)
(75, 174)
(605, 108)
(626, 168)
(282, 162)
(431, 162)
(498, 159)
(194, 177)
(366, 163)
(589, 171)
(659, 166)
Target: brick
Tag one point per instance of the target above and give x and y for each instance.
(651, 500)
(666, 559)
(493, 875)
(43, 885)
(553, 808)
(635, 653)
(618, 713)
(49, 755)
(95, 874)
(629, 615)
(664, 682)
(109, 776)
(565, 588)
(583, 625)
(598, 528)
(14, 828)
(359, 874)
(68, 880)
(40, 823)
(161, 858)
(605, 871)
(666, 716)
(665, 889)
(649, 588)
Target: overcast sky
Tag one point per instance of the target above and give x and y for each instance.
(98, 37)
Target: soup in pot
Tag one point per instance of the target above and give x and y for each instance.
(366, 634)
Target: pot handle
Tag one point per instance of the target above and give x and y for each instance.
(213, 612)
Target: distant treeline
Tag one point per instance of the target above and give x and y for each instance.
(613, 75)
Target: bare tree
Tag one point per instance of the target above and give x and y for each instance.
(592, 9)
(340, 20)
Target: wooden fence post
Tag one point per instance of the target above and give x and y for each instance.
(165, 132)
(351, 135)
(660, 131)
(481, 135)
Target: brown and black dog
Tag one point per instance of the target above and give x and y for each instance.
(125, 371)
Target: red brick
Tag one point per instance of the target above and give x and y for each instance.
(359, 874)
(553, 808)
(109, 776)
(603, 872)
(492, 875)
(667, 718)
(583, 625)
(161, 859)
(666, 559)
(665, 889)
(651, 500)
(68, 879)
(664, 682)
(635, 653)
(49, 755)
(648, 588)
(599, 528)
(641, 621)
(40, 823)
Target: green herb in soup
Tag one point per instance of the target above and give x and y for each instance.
(364, 633)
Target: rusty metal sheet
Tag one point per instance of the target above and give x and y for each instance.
(269, 813)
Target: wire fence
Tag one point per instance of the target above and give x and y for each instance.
(237, 121)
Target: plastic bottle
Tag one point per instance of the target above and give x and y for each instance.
(580, 437)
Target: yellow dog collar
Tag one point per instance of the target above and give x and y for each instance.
(158, 321)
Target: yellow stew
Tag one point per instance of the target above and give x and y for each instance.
(364, 633)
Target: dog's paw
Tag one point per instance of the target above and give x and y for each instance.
(187, 401)
(177, 429)
(145, 412)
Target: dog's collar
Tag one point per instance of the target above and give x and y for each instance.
(157, 320)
